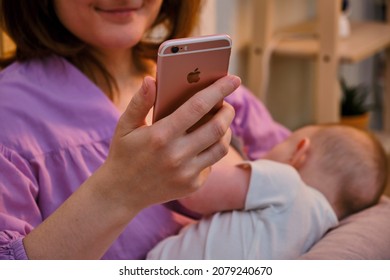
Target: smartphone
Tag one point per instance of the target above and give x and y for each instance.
(186, 66)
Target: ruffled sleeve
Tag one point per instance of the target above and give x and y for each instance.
(253, 124)
(11, 246)
(19, 211)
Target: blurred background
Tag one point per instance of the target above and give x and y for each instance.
(291, 79)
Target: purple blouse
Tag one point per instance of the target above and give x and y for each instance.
(55, 131)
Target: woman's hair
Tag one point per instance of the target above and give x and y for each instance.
(37, 32)
(359, 162)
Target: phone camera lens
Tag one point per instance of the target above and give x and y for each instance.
(175, 49)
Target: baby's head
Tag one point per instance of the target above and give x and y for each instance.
(349, 166)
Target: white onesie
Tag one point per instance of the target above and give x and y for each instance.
(282, 219)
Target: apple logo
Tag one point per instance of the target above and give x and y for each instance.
(194, 76)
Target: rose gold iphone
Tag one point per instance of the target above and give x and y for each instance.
(186, 66)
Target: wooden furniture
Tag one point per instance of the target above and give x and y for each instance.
(318, 40)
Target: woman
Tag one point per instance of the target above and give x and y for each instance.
(76, 87)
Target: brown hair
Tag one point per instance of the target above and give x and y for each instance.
(37, 32)
(359, 162)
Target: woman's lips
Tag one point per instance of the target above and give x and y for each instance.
(117, 15)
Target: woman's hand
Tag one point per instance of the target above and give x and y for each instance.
(161, 162)
(224, 190)
(145, 165)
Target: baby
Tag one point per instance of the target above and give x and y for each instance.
(279, 206)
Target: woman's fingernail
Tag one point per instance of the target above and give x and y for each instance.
(235, 80)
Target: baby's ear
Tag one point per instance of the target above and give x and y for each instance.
(299, 156)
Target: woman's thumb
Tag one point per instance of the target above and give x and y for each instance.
(139, 107)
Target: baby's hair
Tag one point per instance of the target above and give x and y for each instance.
(359, 162)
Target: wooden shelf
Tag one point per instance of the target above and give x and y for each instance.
(365, 40)
(317, 39)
